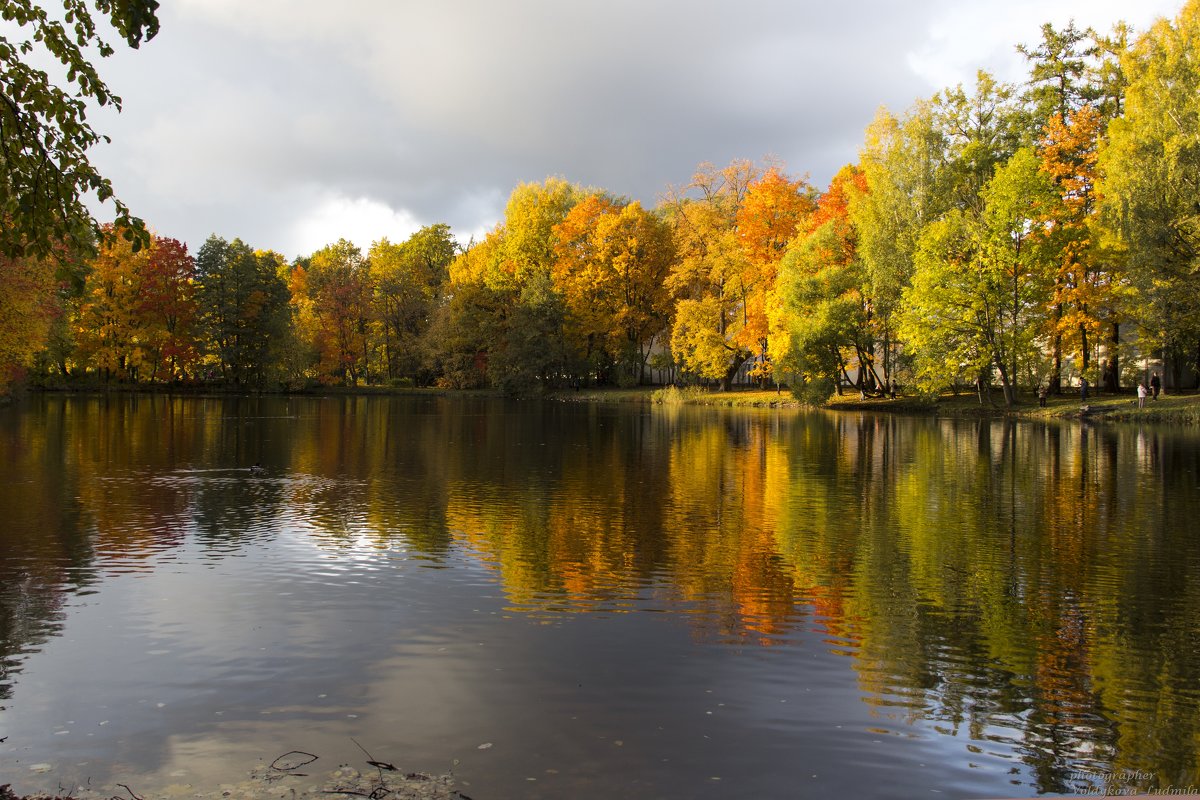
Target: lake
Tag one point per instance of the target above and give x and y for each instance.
(553, 599)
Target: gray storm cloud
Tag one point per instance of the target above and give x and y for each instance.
(244, 119)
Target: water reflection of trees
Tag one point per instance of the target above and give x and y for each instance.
(1027, 587)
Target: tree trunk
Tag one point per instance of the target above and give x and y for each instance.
(731, 372)
(1010, 394)
(1113, 382)
(1056, 372)
(1083, 346)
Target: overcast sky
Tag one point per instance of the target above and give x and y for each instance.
(292, 123)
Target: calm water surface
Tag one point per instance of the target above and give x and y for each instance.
(620, 601)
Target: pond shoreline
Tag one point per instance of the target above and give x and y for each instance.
(271, 782)
(1178, 407)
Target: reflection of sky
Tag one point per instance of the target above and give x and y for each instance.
(276, 613)
(200, 665)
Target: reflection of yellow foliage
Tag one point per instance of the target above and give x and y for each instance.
(1014, 582)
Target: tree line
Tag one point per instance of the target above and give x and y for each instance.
(1020, 236)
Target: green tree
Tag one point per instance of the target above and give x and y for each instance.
(980, 131)
(903, 164)
(244, 317)
(826, 297)
(980, 288)
(946, 318)
(1108, 74)
(1060, 73)
(44, 133)
(1150, 172)
(1014, 224)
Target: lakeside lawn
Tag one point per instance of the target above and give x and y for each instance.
(1181, 407)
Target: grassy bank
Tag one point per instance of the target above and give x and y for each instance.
(1176, 408)
(692, 396)
(1182, 408)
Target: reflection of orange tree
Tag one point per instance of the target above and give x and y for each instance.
(573, 545)
(596, 534)
(554, 551)
(724, 500)
(977, 572)
(817, 518)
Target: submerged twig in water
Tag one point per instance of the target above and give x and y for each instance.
(132, 793)
(381, 765)
(309, 758)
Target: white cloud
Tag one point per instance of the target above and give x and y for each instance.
(359, 220)
(965, 37)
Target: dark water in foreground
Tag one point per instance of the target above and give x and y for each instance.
(620, 601)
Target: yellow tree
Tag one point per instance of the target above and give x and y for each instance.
(26, 312)
(137, 317)
(502, 319)
(577, 271)
(613, 259)
(705, 277)
(1151, 170)
(107, 327)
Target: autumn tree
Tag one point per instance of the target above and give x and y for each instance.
(509, 273)
(407, 279)
(1075, 85)
(721, 276)
(332, 291)
(826, 297)
(166, 312)
(44, 133)
(27, 311)
(773, 212)
(107, 326)
(1089, 291)
(613, 259)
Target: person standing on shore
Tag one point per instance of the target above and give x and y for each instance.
(1141, 395)
(1155, 385)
